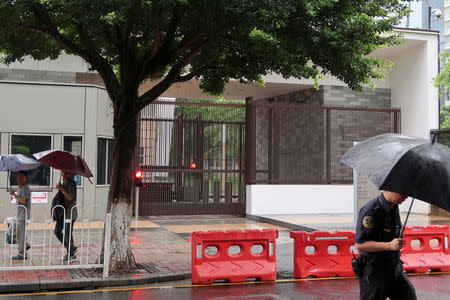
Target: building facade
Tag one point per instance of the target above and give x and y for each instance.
(45, 106)
(61, 105)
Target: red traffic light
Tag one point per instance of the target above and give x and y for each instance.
(193, 165)
(139, 175)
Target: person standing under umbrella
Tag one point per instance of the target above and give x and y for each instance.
(68, 195)
(379, 242)
(23, 199)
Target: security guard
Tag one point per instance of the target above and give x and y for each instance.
(378, 240)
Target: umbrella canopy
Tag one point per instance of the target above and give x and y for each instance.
(415, 167)
(65, 161)
(17, 162)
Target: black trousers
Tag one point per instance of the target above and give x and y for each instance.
(386, 281)
(64, 238)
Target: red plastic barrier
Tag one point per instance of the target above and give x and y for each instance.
(258, 262)
(433, 252)
(314, 254)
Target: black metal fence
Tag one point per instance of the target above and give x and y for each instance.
(192, 156)
(443, 136)
(301, 144)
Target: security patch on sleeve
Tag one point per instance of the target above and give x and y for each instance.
(368, 222)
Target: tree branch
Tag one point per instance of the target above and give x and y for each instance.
(154, 54)
(156, 91)
(151, 54)
(90, 54)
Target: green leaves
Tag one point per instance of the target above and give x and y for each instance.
(129, 41)
(445, 117)
(442, 80)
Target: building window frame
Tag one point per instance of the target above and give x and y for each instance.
(107, 178)
(52, 139)
(81, 185)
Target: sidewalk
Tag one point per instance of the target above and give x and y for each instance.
(161, 246)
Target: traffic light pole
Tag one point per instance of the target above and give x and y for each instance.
(136, 204)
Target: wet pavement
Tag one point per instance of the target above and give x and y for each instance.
(161, 245)
(344, 222)
(434, 287)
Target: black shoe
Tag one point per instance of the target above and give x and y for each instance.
(70, 258)
(27, 247)
(19, 257)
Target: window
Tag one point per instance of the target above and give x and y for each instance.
(74, 145)
(28, 145)
(104, 160)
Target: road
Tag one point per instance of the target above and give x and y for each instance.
(427, 287)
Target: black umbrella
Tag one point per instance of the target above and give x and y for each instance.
(415, 167)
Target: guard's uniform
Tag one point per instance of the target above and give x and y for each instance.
(382, 274)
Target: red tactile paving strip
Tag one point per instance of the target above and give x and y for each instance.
(34, 275)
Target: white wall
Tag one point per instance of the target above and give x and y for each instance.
(30, 108)
(105, 113)
(299, 199)
(413, 91)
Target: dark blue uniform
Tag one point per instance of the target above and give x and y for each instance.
(382, 274)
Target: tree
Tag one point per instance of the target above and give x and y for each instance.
(444, 117)
(168, 41)
(442, 82)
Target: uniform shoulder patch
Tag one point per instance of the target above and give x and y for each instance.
(368, 222)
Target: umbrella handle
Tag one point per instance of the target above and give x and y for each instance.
(407, 217)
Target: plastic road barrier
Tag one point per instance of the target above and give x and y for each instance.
(233, 255)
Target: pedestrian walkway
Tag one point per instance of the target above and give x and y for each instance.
(161, 245)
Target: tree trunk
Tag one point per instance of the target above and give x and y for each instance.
(120, 202)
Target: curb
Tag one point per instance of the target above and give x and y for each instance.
(92, 283)
(82, 283)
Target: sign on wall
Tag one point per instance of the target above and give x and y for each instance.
(364, 191)
(36, 197)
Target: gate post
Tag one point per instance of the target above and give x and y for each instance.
(198, 155)
(250, 151)
(179, 158)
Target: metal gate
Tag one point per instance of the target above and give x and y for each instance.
(192, 156)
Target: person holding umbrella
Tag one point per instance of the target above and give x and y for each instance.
(400, 166)
(23, 199)
(70, 165)
(377, 239)
(67, 195)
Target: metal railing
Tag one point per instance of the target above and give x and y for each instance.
(45, 251)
